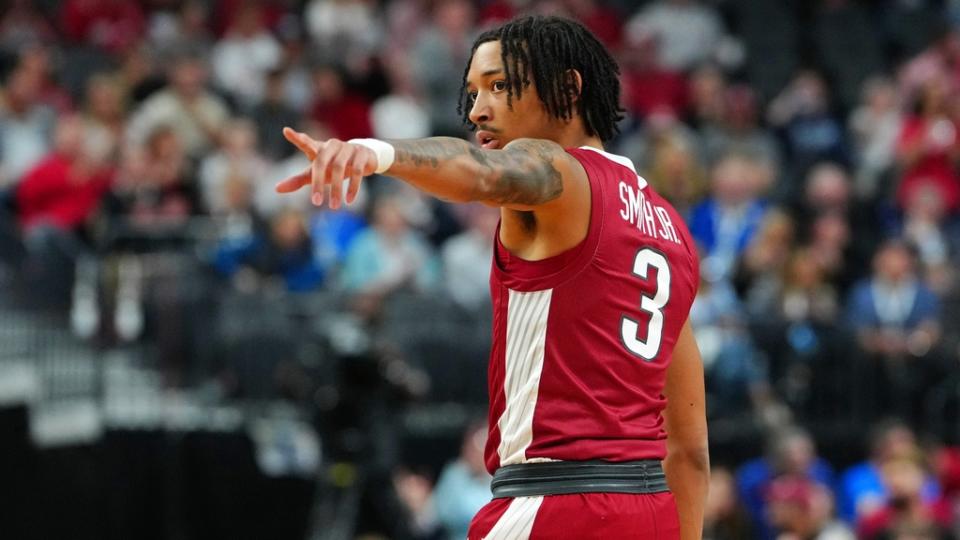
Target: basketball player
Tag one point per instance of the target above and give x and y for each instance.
(594, 376)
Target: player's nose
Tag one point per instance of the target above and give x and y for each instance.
(480, 113)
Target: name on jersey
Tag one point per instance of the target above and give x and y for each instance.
(651, 220)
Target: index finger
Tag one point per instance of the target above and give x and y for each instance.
(305, 143)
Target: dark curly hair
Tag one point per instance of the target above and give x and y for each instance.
(542, 50)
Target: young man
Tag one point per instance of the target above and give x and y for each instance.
(594, 374)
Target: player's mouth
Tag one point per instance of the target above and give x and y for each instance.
(487, 140)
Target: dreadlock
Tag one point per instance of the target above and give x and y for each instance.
(545, 49)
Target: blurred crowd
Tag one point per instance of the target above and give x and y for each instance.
(811, 146)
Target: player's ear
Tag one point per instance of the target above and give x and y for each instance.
(573, 84)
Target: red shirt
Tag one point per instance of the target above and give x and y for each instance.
(582, 340)
(934, 167)
(112, 24)
(48, 194)
(348, 118)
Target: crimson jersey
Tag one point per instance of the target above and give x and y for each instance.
(582, 340)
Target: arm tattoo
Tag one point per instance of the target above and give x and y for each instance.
(524, 173)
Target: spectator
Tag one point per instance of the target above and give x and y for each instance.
(925, 226)
(897, 320)
(466, 258)
(23, 24)
(727, 220)
(906, 514)
(688, 31)
(271, 115)
(196, 115)
(874, 127)
(675, 172)
(438, 57)
(861, 489)
(464, 484)
(928, 149)
(244, 56)
(287, 254)
(113, 25)
(346, 113)
(105, 115)
(401, 113)
(802, 113)
(790, 452)
(707, 88)
(389, 255)
(242, 232)
(736, 376)
(154, 187)
(739, 132)
(724, 518)
(648, 87)
(764, 261)
(800, 508)
(26, 126)
(185, 29)
(60, 194)
(341, 29)
(237, 155)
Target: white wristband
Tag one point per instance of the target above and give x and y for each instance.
(384, 151)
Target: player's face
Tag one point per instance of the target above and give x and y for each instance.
(497, 123)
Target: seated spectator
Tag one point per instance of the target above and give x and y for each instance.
(196, 115)
(271, 115)
(801, 508)
(874, 127)
(648, 87)
(287, 254)
(237, 154)
(113, 25)
(154, 188)
(23, 23)
(736, 377)
(897, 320)
(104, 117)
(242, 231)
(390, 255)
(924, 224)
(466, 258)
(346, 113)
(928, 148)
(790, 452)
(437, 58)
(764, 260)
(64, 189)
(724, 517)
(676, 172)
(26, 126)
(739, 132)
(689, 31)
(464, 484)
(906, 514)
(802, 114)
(243, 57)
(706, 90)
(726, 221)
(56, 200)
(861, 490)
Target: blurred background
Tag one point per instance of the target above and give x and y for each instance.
(186, 355)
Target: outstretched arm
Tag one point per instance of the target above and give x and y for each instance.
(688, 461)
(524, 175)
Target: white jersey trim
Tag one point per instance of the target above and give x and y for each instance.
(620, 160)
(516, 523)
(527, 314)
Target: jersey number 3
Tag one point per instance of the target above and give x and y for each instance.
(648, 348)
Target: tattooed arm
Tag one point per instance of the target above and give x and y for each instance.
(526, 174)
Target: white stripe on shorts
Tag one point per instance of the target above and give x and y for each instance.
(517, 522)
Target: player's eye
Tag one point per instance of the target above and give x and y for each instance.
(472, 96)
(499, 86)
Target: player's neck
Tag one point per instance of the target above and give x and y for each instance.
(575, 136)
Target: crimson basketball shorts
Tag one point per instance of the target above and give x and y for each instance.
(579, 516)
